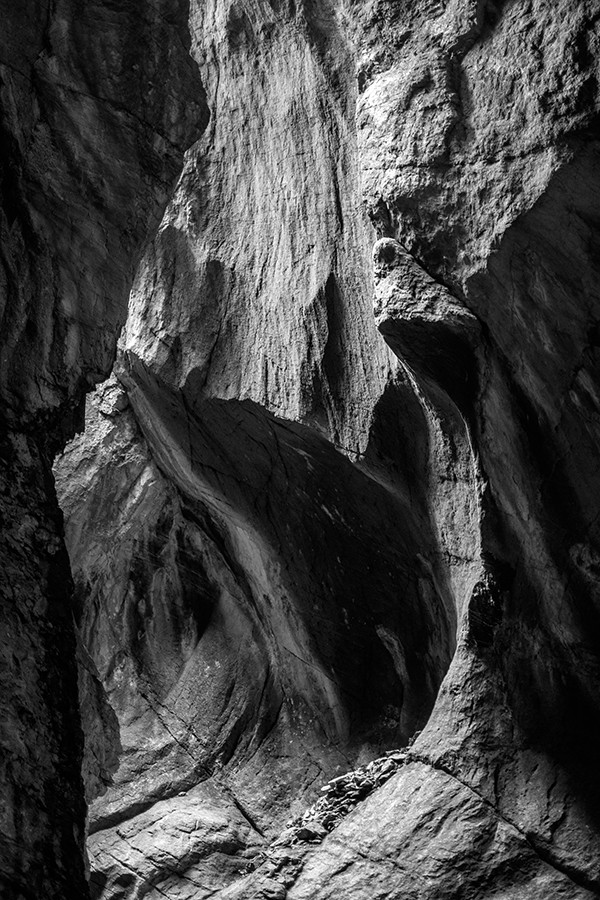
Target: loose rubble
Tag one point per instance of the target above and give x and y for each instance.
(281, 862)
(339, 797)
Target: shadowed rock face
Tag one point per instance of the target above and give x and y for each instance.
(93, 126)
(77, 108)
(304, 630)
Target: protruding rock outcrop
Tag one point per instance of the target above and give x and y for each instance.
(424, 324)
(485, 187)
(257, 605)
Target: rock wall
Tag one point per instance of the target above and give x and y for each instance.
(93, 126)
(264, 586)
(491, 119)
(292, 548)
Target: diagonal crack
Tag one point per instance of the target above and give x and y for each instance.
(577, 877)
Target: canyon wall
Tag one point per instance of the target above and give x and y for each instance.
(339, 493)
(97, 106)
(310, 537)
(264, 585)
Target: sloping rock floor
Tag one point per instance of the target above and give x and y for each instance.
(282, 860)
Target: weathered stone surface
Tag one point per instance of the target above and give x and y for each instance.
(258, 285)
(98, 102)
(179, 848)
(336, 799)
(466, 112)
(42, 810)
(98, 105)
(101, 737)
(515, 719)
(424, 834)
(423, 323)
(498, 213)
(255, 601)
(283, 540)
(229, 681)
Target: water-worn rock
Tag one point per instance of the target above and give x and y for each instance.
(425, 834)
(256, 289)
(178, 848)
(515, 718)
(495, 194)
(230, 681)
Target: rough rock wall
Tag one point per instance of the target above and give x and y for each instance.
(463, 516)
(258, 284)
(481, 138)
(93, 127)
(264, 586)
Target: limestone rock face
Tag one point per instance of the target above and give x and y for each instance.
(43, 808)
(425, 834)
(98, 102)
(258, 285)
(100, 726)
(277, 660)
(423, 323)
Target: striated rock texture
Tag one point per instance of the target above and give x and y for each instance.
(495, 193)
(292, 550)
(264, 586)
(97, 104)
(277, 659)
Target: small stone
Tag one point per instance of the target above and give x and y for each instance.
(312, 832)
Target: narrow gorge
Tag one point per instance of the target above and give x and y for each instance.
(300, 405)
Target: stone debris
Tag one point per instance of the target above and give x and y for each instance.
(281, 862)
(339, 797)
